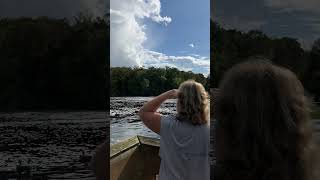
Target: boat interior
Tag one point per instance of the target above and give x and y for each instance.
(136, 158)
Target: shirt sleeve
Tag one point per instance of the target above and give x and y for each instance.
(164, 133)
(165, 125)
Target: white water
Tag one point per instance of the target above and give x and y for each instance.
(124, 120)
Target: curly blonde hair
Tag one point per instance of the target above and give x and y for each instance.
(193, 103)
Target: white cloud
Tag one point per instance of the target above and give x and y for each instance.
(191, 45)
(294, 5)
(127, 34)
(195, 55)
(128, 37)
(197, 64)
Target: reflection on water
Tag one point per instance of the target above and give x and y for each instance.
(58, 145)
(124, 120)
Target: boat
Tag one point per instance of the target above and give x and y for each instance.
(135, 158)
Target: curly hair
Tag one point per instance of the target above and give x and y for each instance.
(262, 125)
(193, 103)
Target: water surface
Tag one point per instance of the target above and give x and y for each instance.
(125, 122)
(56, 144)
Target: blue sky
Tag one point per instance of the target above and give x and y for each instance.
(189, 25)
(277, 18)
(161, 33)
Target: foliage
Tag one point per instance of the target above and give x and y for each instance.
(229, 47)
(53, 63)
(149, 82)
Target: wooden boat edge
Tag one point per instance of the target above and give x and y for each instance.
(149, 141)
(132, 142)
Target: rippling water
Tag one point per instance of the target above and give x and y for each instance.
(124, 120)
(55, 144)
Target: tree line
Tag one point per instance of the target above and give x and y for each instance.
(151, 81)
(61, 64)
(229, 47)
(53, 63)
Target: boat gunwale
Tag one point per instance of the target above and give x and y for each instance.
(127, 144)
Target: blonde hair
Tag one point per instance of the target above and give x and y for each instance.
(193, 103)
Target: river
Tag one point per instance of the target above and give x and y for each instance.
(124, 120)
(55, 144)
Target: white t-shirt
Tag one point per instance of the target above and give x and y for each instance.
(184, 150)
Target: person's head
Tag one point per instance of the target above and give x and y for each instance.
(193, 103)
(262, 127)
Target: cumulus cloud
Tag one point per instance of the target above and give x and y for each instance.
(294, 5)
(52, 8)
(194, 63)
(128, 32)
(128, 37)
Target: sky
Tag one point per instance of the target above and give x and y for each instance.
(160, 33)
(52, 8)
(298, 19)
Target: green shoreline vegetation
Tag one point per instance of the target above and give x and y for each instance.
(230, 46)
(48, 64)
(61, 64)
(151, 81)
